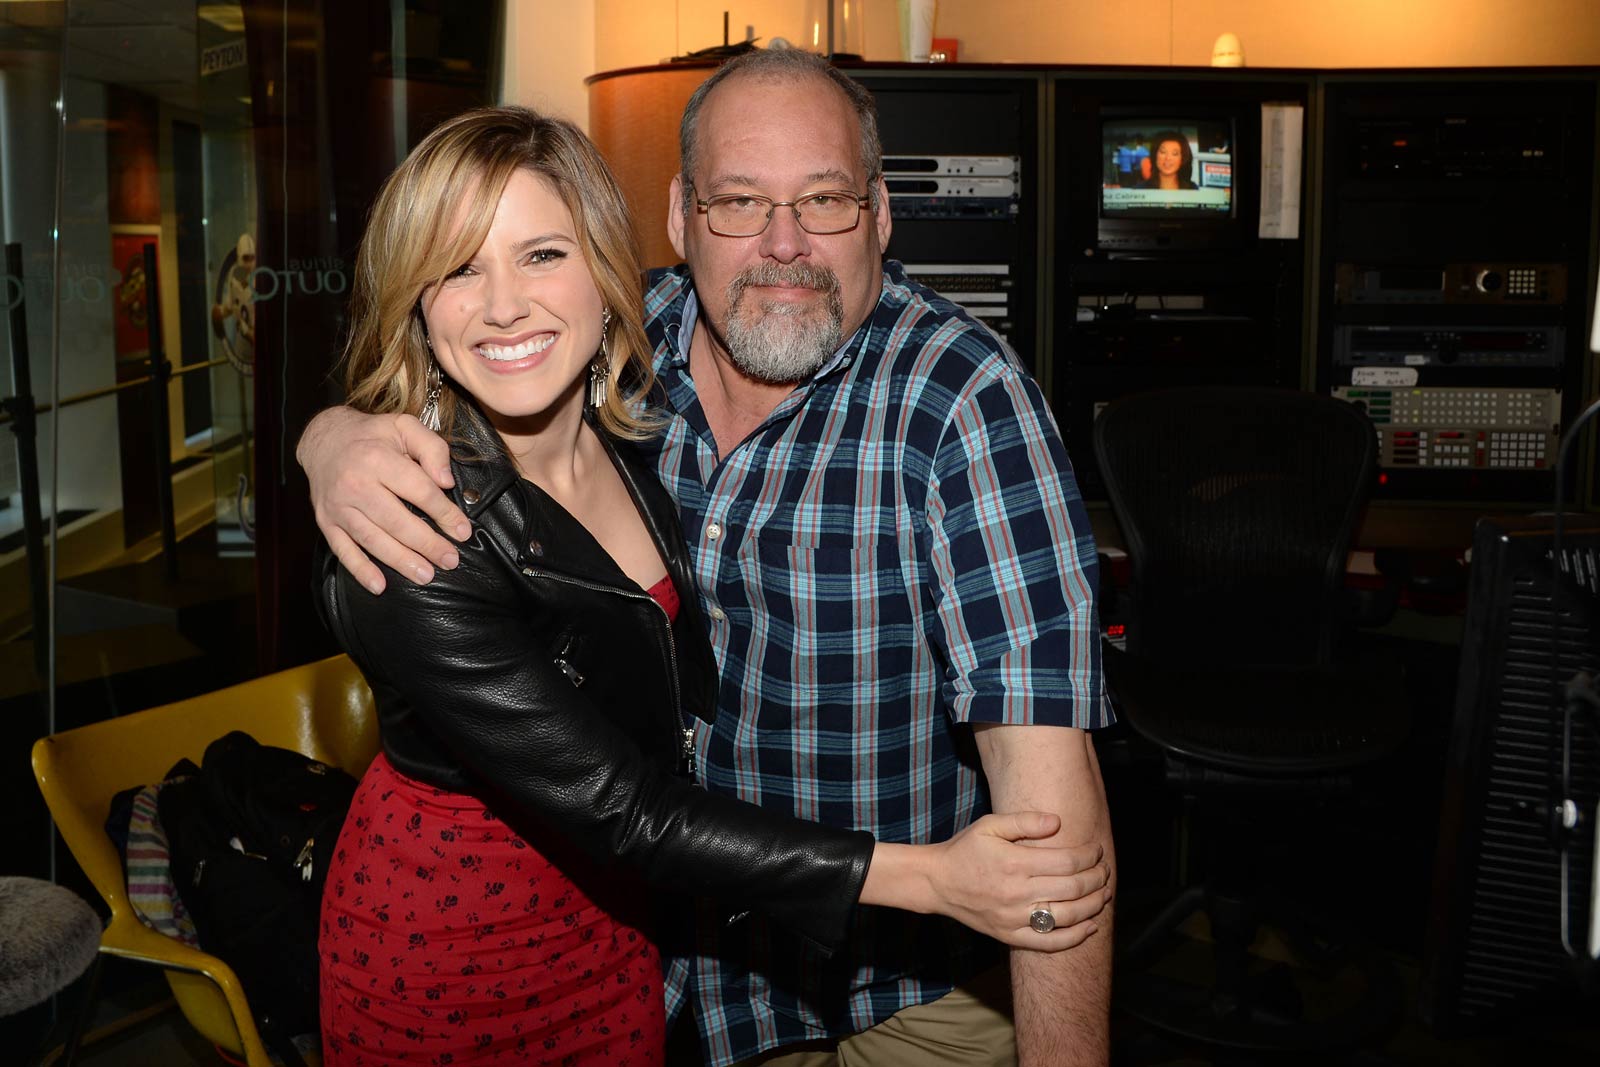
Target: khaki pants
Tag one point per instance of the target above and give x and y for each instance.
(968, 1027)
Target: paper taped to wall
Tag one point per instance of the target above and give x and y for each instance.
(1281, 138)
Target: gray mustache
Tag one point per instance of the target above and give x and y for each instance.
(794, 274)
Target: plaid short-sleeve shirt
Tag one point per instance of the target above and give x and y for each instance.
(899, 549)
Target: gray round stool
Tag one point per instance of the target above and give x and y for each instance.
(48, 937)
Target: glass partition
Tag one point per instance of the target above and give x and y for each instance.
(183, 186)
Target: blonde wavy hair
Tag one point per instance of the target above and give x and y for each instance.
(431, 216)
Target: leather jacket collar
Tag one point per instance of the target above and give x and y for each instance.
(537, 533)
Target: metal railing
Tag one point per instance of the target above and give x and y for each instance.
(21, 413)
(109, 390)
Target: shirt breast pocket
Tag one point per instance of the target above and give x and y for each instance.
(835, 609)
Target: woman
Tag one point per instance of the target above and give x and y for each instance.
(536, 702)
(1173, 163)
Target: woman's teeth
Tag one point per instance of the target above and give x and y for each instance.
(522, 351)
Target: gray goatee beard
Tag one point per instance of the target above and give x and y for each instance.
(779, 342)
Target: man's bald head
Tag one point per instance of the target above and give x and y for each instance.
(781, 65)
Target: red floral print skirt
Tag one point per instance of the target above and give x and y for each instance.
(447, 939)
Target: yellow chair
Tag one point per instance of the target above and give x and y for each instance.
(322, 709)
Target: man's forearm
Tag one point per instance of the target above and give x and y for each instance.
(321, 424)
(1062, 1001)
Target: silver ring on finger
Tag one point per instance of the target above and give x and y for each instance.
(1042, 920)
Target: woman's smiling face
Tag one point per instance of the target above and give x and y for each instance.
(1169, 157)
(517, 325)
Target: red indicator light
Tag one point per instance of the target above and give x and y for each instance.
(1401, 144)
(1116, 629)
(1383, 478)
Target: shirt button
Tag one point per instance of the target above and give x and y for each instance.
(714, 530)
(718, 614)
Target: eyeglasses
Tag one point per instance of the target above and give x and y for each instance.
(747, 215)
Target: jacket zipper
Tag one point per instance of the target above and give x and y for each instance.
(686, 745)
(568, 642)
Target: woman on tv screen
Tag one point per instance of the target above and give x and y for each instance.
(1172, 163)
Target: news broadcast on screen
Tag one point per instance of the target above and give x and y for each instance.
(1166, 168)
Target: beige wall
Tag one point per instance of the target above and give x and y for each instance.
(1392, 33)
(550, 49)
(552, 45)
(1275, 33)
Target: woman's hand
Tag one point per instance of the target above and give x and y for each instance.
(992, 881)
(989, 878)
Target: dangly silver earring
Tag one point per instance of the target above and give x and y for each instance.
(430, 406)
(600, 366)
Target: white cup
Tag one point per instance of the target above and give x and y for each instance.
(916, 30)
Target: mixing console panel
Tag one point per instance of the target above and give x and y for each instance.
(1485, 429)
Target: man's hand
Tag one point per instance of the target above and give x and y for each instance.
(363, 469)
(1061, 1001)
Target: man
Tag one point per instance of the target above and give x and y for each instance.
(889, 546)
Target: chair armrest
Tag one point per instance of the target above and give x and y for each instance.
(126, 937)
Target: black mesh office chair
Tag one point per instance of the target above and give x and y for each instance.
(1238, 507)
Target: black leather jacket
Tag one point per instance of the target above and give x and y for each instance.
(536, 674)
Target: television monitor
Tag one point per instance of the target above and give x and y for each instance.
(1167, 182)
(1510, 896)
